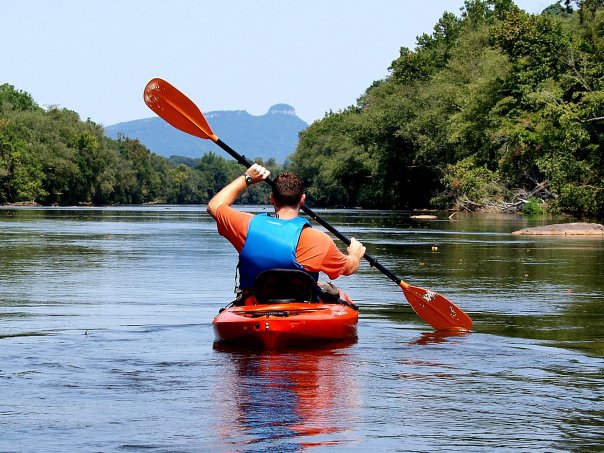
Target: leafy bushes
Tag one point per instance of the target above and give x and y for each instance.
(472, 187)
(51, 157)
(485, 109)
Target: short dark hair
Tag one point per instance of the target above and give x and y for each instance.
(288, 189)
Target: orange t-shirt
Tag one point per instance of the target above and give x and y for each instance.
(316, 251)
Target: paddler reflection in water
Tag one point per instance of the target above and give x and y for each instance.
(282, 240)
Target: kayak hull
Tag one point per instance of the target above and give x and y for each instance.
(273, 326)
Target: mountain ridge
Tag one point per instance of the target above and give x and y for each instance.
(272, 135)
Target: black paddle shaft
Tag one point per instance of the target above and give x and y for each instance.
(316, 217)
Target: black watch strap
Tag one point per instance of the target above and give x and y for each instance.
(248, 179)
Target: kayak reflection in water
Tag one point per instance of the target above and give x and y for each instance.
(287, 401)
(282, 240)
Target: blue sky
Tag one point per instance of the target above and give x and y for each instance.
(95, 57)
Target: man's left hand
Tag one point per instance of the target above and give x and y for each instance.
(258, 173)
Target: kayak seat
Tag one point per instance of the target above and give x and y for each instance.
(284, 285)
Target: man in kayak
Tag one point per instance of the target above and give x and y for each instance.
(279, 240)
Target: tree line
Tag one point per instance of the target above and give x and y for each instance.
(51, 157)
(496, 109)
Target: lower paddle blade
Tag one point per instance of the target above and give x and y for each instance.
(177, 109)
(435, 309)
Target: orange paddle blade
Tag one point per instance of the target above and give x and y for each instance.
(436, 310)
(177, 109)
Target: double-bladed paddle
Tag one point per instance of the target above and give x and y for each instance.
(178, 110)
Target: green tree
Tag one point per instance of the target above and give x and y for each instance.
(488, 105)
(21, 176)
(16, 100)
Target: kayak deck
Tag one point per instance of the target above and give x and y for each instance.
(277, 325)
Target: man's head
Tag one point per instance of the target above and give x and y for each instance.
(288, 190)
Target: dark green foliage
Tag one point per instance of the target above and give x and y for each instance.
(532, 207)
(15, 100)
(470, 184)
(482, 110)
(432, 54)
(51, 157)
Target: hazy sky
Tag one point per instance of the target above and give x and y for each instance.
(95, 57)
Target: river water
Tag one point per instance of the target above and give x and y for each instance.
(106, 341)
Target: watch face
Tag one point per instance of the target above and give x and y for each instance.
(248, 179)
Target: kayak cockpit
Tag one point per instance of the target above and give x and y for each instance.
(271, 318)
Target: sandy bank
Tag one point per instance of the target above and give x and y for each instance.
(565, 229)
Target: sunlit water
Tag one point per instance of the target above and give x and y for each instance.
(106, 342)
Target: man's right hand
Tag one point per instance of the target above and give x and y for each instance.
(355, 250)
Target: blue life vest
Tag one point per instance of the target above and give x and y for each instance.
(270, 244)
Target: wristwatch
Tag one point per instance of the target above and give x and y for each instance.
(248, 179)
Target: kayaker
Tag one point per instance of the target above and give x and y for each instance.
(282, 239)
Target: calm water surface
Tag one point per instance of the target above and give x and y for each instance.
(106, 341)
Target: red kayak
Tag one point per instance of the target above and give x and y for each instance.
(269, 320)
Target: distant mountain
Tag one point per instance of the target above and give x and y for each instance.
(274, 134)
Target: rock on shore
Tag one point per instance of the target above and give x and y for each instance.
(565, 229)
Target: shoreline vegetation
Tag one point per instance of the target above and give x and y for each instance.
(496, 110)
